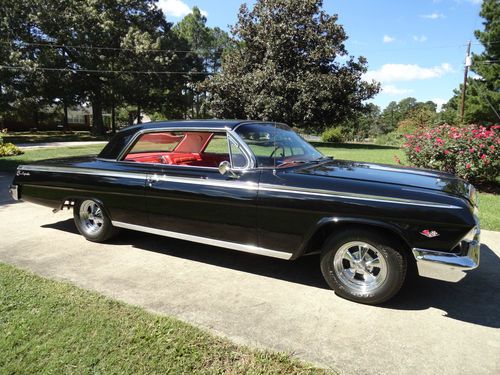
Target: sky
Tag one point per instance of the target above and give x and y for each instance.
(414, 47)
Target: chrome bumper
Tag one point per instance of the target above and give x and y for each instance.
(448, 266)
(14, 192)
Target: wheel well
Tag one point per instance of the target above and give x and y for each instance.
(317, 240)
(72, 202)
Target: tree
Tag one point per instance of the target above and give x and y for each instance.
(285, 67)
(207, 45)
(395, 112)
(482, 103)
(419, 116)
(101, 51)
(407, 114)
(487, 64)
(364, 124)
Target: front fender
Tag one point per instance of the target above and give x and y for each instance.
(338, 221)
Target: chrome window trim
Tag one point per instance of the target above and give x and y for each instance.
(206, 240)
(133, 139)
(249, 156)
(247, 153)
(174, 166)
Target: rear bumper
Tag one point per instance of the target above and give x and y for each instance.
(449, 266)
(14, 192)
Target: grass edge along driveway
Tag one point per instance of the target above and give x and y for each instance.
(53, 327)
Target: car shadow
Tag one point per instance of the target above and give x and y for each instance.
(304, 270)
(474, 299)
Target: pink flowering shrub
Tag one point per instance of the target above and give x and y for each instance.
(471, 152)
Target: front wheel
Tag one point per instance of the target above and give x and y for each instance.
(92, 222)
(363, 266)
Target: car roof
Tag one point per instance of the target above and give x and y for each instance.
(120, 140)
(212, 124)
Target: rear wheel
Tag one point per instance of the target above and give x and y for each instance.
(92, 222)
(363, 266)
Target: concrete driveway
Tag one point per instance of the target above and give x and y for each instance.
(432, 327)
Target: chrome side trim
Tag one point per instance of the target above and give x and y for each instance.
(205, 182)
(207, 241)
(85, 171)
(347, 195)
(240, 185)
(14, 192)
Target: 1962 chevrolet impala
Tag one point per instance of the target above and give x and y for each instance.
(258, 187)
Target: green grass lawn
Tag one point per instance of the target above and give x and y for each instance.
(10, 163)
(50, 327)
(489, 207)
(51, 136)
(361, 152)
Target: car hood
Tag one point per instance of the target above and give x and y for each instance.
(389, 174)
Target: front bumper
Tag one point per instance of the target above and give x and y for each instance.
(449, 266)
(14, 192)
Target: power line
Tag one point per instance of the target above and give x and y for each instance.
(103, 71)
(209, 50)
(54, 45)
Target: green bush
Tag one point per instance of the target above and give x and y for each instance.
(333, 135)
(9, 149)
(471, 152)
(390, 139)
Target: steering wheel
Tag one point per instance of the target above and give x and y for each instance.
(276, 149)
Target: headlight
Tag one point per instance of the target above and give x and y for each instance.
(473, 195)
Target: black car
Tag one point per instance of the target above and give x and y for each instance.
(258, 187)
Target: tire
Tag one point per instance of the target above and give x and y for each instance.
(374, 279)
(92, 221)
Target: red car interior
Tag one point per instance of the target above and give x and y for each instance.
(188, 151)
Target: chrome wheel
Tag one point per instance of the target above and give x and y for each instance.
(360, 266)
(91, 217)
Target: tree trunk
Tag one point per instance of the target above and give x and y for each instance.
(36, 118)
(97, 123)
(113, 116)
(65, 120)
(139, 118)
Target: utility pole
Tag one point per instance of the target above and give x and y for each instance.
(468, 63)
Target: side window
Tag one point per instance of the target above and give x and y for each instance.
(157, 142)
(217, 145)
(186, 148)
(238, 159)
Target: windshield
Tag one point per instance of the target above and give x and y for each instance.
(276, 145)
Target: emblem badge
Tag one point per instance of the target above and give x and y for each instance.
(429, 233)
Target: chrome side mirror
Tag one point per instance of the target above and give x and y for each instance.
(225, 169)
